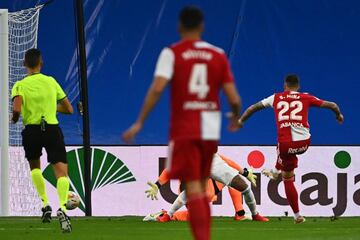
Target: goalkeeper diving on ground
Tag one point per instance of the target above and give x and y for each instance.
(224, 172)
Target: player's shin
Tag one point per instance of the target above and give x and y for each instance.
(250, 200)
(239, 184)
(62, 187)
(292, 195)
(39, 183)
(178, 203)
(236, 199)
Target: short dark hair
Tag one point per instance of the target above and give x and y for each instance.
(32, 58)
(292, 80)
(191, 17)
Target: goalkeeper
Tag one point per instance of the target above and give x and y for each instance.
(38, 98)
(224, 172)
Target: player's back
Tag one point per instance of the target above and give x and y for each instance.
(200, 70)
(291, 112)
(40, 94)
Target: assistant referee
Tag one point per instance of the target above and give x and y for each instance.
(38, 98)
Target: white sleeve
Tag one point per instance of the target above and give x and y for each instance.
(269, 101)
(165, 64)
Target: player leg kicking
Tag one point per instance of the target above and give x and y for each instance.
(227, 175)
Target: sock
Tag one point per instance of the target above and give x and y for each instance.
(236, 198)
(291, 193)
(178, 203)
(199, 216)
(62, 187)
(250, 200)
(208, 214)
(240, 213)
(39, 183)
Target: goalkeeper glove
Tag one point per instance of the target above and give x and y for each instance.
(248, 173)
(152, 191)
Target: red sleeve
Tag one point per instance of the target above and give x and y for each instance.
(228, 75)
(230, 162)
(314, 101)
(164, 177)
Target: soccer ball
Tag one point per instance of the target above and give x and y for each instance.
(73, 201)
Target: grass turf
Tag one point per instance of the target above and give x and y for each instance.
(222, 228)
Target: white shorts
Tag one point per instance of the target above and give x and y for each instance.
(221, 171)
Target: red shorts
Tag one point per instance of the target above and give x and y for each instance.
(287, 151)
(190, 159)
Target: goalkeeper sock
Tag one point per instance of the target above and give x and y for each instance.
(62, 187)
(291, 193)
(39, 183)
(250, 200)
(178, 203)
(236, 198)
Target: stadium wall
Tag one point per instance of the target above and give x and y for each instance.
(264, 39)
(327, 180)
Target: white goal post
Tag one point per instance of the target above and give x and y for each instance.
(18, 33)
(4, 109)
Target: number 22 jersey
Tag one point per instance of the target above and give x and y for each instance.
(291, 113)
(197, 71)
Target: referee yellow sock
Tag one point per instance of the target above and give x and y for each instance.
(39, 183)
(62, 187)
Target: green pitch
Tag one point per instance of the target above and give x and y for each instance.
(222, 228)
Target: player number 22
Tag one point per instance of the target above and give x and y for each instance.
(198, 80)
(284, 106)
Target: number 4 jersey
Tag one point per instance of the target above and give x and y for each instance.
(291, 113)
(197, 71)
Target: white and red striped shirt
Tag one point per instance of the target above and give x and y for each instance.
(291, 112)
(197, 71)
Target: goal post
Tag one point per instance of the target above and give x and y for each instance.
(4, 110)
(18, 33)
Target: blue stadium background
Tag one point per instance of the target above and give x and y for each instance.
(265, 40)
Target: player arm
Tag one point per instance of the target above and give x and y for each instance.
(64, 106)
(233, 98)
(163, 73)
(335, 108)
(17, 103)
(154, 187)
(63, 103)
(248, 173)
(152, 97)
(231, 93)
(250, 111)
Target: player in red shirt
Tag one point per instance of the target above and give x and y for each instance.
(291, 112)
(196, 72)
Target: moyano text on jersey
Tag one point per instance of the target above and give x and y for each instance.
(197, 71)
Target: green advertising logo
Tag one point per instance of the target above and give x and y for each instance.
(342, 159)
(106, 169)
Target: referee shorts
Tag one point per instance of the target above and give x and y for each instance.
(52, 139)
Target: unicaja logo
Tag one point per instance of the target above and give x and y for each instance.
(331, 189)
(318, 193)
(106, 169)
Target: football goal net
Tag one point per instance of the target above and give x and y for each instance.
(18, 33)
